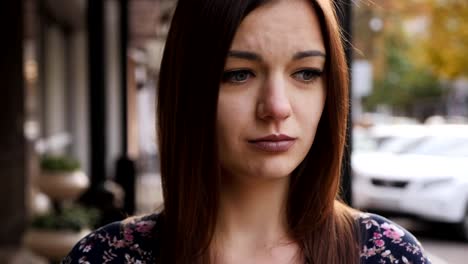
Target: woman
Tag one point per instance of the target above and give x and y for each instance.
(252, 117)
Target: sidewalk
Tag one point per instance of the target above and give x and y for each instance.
(437, 260)
(448, 252)
(20, 256)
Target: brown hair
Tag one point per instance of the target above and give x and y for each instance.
(202, 31)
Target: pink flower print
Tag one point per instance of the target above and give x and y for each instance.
(144, 226)
(83, 260)
(377, 235)
(379, 243)
(413, 249)
(405, 260)
(121, 244)
(386, 253)
(392, 231)
(369, 223)
(108, 256)
(87, 248)
(128, 235)
(118, 243)
(368, 252)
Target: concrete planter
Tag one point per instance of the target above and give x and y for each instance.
(63, 185)
(52, 244)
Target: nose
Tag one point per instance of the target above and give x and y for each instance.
(273, 103)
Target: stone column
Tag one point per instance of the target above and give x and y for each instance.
(13, 161)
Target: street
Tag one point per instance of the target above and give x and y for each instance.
(438, 240)
(447, 251)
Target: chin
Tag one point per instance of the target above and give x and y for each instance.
(262, 167)
(274, 171)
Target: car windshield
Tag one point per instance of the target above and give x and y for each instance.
(441, 146)
(363, 142)
(399, 144)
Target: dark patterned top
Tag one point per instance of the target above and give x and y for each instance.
(383, 242)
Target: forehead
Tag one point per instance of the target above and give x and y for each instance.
(280, 26)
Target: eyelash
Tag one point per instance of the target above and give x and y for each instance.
(229, 76)
(315, 74)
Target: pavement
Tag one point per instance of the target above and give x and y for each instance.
(436, 260)
(446, 252)
(20, 256)
(439, 241)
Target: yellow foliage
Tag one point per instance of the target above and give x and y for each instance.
(446, 46)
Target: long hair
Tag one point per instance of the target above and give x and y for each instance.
(191, 69)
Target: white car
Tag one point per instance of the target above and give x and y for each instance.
(426, 177)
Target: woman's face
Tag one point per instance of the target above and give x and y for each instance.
(272, 93)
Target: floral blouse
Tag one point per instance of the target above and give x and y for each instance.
(383, 242)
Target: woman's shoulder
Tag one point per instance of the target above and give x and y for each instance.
(132, 240)
(383, 241)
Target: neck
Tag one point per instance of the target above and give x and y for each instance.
(252, 214)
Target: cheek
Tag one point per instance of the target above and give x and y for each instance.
(227, 133)
(226, 116)
(309, 111)
(232, 116)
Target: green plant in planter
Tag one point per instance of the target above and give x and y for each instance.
(73, 218)
(59, 164)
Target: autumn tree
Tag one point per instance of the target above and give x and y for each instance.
(445, 47)
(408, 59)
(403, 84)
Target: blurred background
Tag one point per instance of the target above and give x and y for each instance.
(78, 139)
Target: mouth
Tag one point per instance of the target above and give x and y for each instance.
(273, 143)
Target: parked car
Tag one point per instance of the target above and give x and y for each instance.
(425, 176)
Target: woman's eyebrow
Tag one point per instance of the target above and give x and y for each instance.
(244, 55)
(247, 55)
(308, 53)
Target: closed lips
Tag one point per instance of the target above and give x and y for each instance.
(274, 138)
(273, 143)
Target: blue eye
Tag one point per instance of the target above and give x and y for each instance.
(307, 75)
(237, 76)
